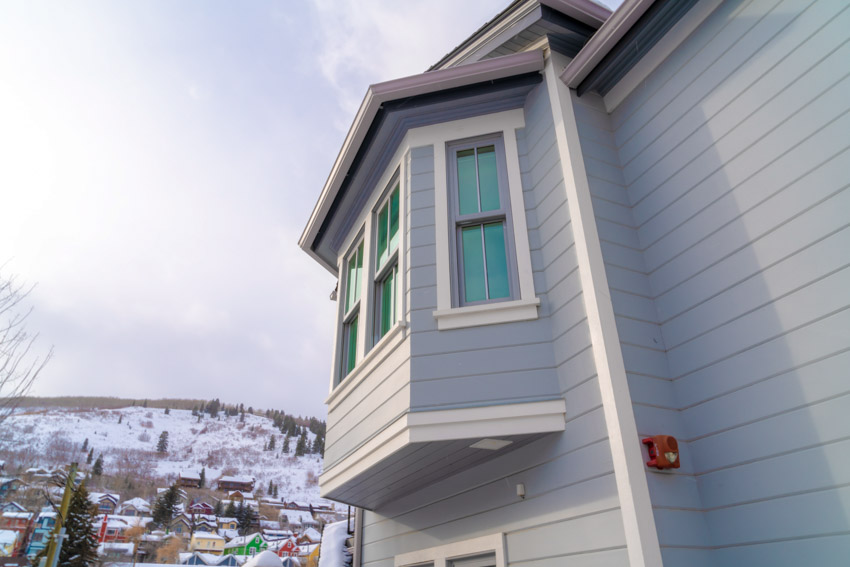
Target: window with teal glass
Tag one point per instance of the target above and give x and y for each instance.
(485, 264)
(351, 310)
(386, 264)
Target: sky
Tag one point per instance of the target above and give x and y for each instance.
(158, 162)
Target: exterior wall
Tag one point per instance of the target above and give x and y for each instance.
(720, 191)
(571, 511)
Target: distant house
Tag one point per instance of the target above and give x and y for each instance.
(246, 545)
(297, 520)
(200, 507)
(207, 542)
(181, 525)
(309, 536)
(115, 552)
(201, 558)
(135, 507)
(189, 479)
(112, 529)
(9, 485)
(243, 483)
(11, 507)
(240, 495)
(20, 523)
(42, 529)
(204, 523)
(181, 494)
(225, 523)
(288, 548)
(106, 502)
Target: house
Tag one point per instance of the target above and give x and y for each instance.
(189, 479)
(115, 552)
(204, 523)
(199, 558)
(200, 507)
(240, 495)
(309, 536)
(180, 525)
(20, 524)
(182, 495)
(135, 507)
(229, 483)
(246, 545)
(207, 542)
(581, 237)
(12, 507)
(113, 529)
(106, 502)
(297, 520)
(226, 523)
(42, 530)
(287, 548)
(9, 485)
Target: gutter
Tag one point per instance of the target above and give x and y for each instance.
(603, 41)
(378, 94)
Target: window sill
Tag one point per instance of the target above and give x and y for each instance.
(378, 352)
(487, 314)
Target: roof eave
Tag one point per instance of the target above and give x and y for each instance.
(380, 93)
(603, 41)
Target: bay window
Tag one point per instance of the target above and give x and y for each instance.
(351, 310)
(386, 262)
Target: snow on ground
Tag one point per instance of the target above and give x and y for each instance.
(54, 436)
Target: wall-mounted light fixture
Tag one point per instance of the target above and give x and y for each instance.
(663, 452)
(520, 490)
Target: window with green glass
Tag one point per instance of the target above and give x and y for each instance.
(386, 265)
(478, 185)
(351, 310)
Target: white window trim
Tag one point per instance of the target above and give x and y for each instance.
(366, 351)
(441, 555)
(524, 307)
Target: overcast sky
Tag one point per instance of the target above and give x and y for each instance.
(158, 161)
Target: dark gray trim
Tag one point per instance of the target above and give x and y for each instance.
(646, 32)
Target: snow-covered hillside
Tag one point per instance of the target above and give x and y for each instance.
(224, 445)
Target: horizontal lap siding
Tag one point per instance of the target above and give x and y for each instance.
(734, 156)
(571, 511)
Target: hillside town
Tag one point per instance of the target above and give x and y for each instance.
(233, 523)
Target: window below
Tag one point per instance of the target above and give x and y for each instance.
(351, 312)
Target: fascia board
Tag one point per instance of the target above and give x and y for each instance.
(585, 11)
(603, 41)
(378, 94)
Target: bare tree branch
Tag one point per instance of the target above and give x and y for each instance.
(19, 363)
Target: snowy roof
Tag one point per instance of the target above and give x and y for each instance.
(123, 548)
(223, 519)
(8, 537)
(99, 496)
(312, 534)
(297, 517)
(207, 535)
(245, 493)
(264, 559)
(333, 553)
(18, 515)
(246, 479)
(190, 475)
(137, 503)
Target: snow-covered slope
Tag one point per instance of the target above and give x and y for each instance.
(223, 446)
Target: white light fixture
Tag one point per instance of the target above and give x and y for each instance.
(520, 490)
(491, 444)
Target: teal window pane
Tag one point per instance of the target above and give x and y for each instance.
(382, 235)
(351, 347)
(358, 272)
(497, 261)
(350, 283)
(394, 220)
(466, 182)
(388, 303)
(488, 179)
(473, 264)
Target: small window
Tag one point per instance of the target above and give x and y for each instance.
(480, 210)
(385, 312)
(351, 317)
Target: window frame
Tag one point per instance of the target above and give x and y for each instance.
(351, 312)
(458, 221)
(390, 266)
(445, 555)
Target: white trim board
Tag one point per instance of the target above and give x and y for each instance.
(440, 556)
(446, 425)
(639, 524)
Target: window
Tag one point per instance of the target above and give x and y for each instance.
(351, 316)
(485, 551)
(386, 262)
(480, 210)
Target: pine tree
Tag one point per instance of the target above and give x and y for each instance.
(85, 445)
(300, 447)
(270, 491)
(167, 411)
(286, 444)
(80, 546)
(242, 417)
(275, 491)
(163, 509)
(271, 443)
(203, 477)
(120, 418)
(242, 518)
(97, 469)
(145, 404)
(318, 443)
(162, 445)
(219, 509)
(90, 457)
(230, 511)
